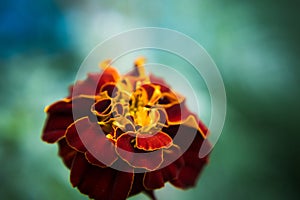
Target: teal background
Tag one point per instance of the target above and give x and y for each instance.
(255, 44)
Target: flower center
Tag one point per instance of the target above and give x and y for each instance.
(139, 109)
(137, 103)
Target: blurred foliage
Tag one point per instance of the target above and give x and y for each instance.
(255, 44)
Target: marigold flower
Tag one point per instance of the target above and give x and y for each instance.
(130, 121)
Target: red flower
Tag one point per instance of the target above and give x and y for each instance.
(122, 135)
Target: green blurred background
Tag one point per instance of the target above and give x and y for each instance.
(255, 44)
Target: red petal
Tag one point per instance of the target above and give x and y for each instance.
(164, 87)
(96, 183)
(63, 106)
(53, 136)
(72, 136)
(94, 81)
(156, 179)
(60, 116)
(92, 139)
(94, 160)
(149, 142)
(149, 89)
(81, 107)
(56, 126)
(172, 156)
(135, 157)
(66, 152)
(80, 133)
(193, 165)
(122, 185)
(138, 186)
(185, 112)
(174, 112)
(100, 183)
(86, 87)
(102, 151)
(109, 74)
(78, 169)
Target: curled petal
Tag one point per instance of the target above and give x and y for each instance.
(102, 107)
(149, 142)
(118, 109)
(135, 157)
(110, 88)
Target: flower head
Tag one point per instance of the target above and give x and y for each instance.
(125, 134)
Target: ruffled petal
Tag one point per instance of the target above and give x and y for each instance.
(149, 142)
(135, 157)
